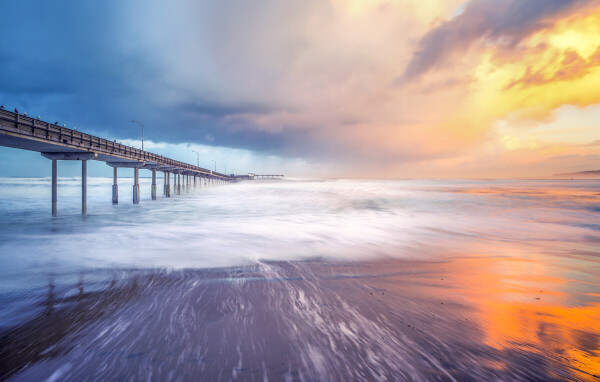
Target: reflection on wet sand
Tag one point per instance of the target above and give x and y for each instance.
(536, 305)
(475, 318)
(43, 337)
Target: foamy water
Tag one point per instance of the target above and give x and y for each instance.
(237, 236)
(295, 220)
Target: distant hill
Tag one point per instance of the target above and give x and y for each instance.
(593, 174)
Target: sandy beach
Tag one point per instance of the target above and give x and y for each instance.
(473, 318)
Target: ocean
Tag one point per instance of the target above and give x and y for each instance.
(301, 280)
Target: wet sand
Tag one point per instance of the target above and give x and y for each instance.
(465, 318)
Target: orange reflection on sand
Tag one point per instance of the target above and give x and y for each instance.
(533, 305)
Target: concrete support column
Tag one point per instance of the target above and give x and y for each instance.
(164, 183)
(54, 187)
(168, 186)
(178, 184)
(136, 186)
(153, 191)
(115, 188)
(84, 187)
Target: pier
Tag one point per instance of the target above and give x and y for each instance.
(254, 176)
(61, 143)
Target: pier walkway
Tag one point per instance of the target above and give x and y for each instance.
(60, 143)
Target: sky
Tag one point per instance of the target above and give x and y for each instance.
(322, 88)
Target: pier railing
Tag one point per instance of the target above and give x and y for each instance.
(62, 136)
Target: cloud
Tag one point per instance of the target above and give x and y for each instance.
(503, 23)
(311, 81)
(572, 67)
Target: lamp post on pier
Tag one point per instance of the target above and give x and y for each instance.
(134, 121)
(197, 158)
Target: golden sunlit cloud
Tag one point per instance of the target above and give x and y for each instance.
(428, 88)
(523, 85)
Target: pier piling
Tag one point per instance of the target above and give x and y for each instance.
(115, 188)
(153, 191)
(168, 185)
(136, 186)
(54, 187)
(84, 187)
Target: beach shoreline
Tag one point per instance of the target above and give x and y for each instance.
(316, 320)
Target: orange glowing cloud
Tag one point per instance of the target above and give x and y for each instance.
(526, 80)
(399, 87)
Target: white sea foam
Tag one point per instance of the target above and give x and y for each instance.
(293, 220)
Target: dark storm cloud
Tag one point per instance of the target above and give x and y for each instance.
(59, 61)
(65, 61)
(501, 22)
(219, 110)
